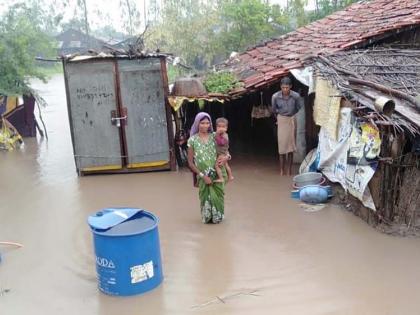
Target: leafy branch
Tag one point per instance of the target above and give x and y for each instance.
(220, 82)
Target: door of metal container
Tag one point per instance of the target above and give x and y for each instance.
(146, 131)
(92, 99)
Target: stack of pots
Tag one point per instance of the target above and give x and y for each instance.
(310, 187)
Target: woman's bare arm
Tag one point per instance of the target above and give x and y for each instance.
(191, 163)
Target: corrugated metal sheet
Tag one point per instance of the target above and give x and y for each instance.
(92, 97)
(142, 93)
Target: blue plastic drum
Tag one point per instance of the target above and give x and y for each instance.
(127, 250)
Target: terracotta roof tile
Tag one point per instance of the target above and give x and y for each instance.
(277, 72)
(238, 90)
(254, 78)
(252, 83)
(292, 65)
(349, 44)
(266, 69)
(270, 58)
(291, 56)
(257, 63)
(253, 53)
(341, 30)
(266, 82)
(277, 63)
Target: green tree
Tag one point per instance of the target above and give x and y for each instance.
(21, 40)
(108, 31)
(80, 14)
(83, 6)
(280, 19)
(327, 7)
(187, 29)
(203, 32)
(74, 23)
(130, 16)
(154, 12)
(297, 15)
(245, 23)
(46, 14)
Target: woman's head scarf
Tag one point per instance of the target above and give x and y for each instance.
(199, 117)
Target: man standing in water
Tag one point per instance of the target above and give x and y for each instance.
(285, 104)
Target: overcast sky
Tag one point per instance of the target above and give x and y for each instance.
(111, 10)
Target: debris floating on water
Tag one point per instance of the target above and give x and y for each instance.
(312, 207)
(222, 299)
(4, 291)
(11, 244)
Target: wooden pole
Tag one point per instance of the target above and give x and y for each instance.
(387, 90)
(357, 79)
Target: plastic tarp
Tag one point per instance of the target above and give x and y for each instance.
(351, 160)
(305, 76)
(9, 137)
(177, 101)
(9, 104)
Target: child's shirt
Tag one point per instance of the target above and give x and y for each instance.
(222, 144)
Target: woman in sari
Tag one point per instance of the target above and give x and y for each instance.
(202, 158)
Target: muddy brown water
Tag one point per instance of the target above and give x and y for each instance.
(268, 257)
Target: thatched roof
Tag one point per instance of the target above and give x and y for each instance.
(364, 75)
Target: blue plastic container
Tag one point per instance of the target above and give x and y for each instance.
(295, 193)
(313, 194)
(127, 250)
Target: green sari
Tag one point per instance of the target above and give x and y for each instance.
(211, 196)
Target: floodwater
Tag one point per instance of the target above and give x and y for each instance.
(268, 257)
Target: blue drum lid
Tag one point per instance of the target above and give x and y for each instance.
(122, 221)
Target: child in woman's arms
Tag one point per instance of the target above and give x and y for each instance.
(222, 149)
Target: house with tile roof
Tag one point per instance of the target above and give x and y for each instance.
(360, 25)
(369, 54)
(73, 41)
